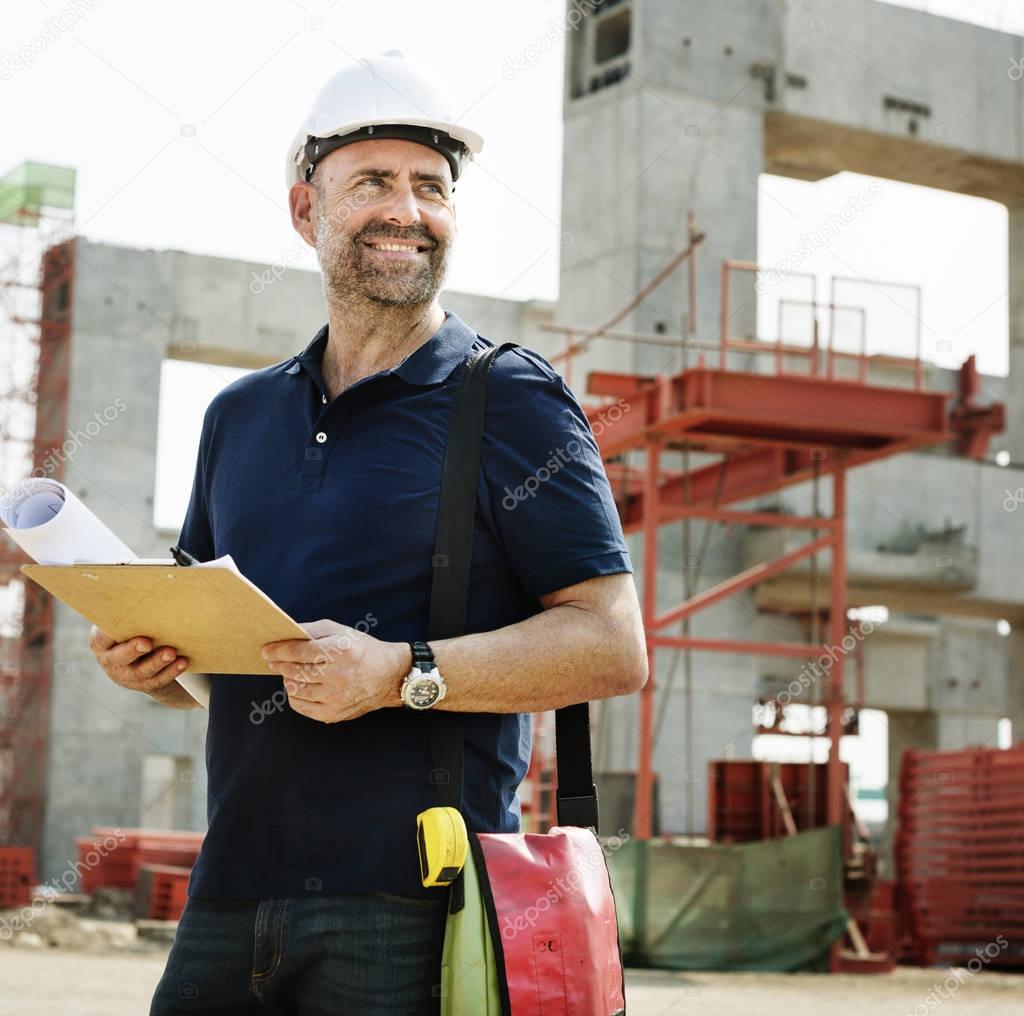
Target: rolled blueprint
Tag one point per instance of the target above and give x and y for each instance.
(52, 526)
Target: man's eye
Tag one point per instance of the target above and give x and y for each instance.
(438, 189)
(373, 179)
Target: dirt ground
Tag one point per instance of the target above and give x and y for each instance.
(58, 982)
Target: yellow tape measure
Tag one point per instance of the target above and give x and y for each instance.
(443, 845)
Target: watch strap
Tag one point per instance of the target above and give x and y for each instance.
(422, 657)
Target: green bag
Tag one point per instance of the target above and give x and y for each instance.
(469, 972)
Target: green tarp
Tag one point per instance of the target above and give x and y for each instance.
(771, 905)
(31, 187)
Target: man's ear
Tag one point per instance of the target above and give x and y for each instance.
(302, 205)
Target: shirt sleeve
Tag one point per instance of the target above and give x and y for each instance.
(196, 534)
(547, 492)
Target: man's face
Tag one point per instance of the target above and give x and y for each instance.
(374, 195)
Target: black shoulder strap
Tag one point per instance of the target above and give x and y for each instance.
(577, 795)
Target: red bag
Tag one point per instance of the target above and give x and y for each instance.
(553, 925)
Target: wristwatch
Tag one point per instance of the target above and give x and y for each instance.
(423, 686)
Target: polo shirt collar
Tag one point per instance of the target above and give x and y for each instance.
(430, 364)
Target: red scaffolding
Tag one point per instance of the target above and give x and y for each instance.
(798, 411)
(35, 297)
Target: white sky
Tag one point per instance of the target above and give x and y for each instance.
(176, 117)
(113, 95)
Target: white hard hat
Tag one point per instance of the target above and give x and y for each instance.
(380, 97)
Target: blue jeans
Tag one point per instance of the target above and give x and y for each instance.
(361, 954)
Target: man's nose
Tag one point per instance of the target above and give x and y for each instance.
(402, 208)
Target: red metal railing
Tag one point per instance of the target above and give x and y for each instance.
(821, 342)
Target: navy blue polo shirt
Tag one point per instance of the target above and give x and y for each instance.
(330, 507)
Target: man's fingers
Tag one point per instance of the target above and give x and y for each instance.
(318, 629)
(152, 664)
(301, 673)
(293, 651)
(297, 687)
(99, 641)
(165, 675)
(318, 650)
(122, 654)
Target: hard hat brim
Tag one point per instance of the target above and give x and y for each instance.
(299, 164)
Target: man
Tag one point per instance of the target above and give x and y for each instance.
(320, 476)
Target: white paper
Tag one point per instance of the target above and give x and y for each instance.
(227, 561)
(198, 686)
(52, 526)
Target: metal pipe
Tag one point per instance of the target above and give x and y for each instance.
(643, 800)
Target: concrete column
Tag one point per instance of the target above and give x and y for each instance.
(1013, 439)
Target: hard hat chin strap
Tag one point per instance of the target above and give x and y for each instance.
(452, 149)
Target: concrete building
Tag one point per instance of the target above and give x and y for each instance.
(701, 99)
(695, 100)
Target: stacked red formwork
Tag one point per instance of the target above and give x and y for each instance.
(960, 855)
(114, 857)
(747, 798)
(17, 876)
(161, 892)
(179, 850)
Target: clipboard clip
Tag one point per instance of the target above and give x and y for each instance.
(182, 557)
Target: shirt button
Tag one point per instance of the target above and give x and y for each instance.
(321, 437)
(323, 399)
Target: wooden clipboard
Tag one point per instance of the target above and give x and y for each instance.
(214, 616)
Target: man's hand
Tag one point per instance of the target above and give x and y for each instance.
(136, 665)
(340, 673)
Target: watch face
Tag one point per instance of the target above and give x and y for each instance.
(423, 692)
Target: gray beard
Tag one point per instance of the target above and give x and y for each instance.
(351, 271)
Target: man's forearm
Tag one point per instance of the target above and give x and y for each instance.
(561, 656)
(586, 643)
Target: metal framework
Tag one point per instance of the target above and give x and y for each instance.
(35, 297)
(767, 426)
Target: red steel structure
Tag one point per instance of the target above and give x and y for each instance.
(26, 664)
(768, 426)
(793, 412)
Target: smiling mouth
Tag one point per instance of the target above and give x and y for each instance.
(396, 247)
